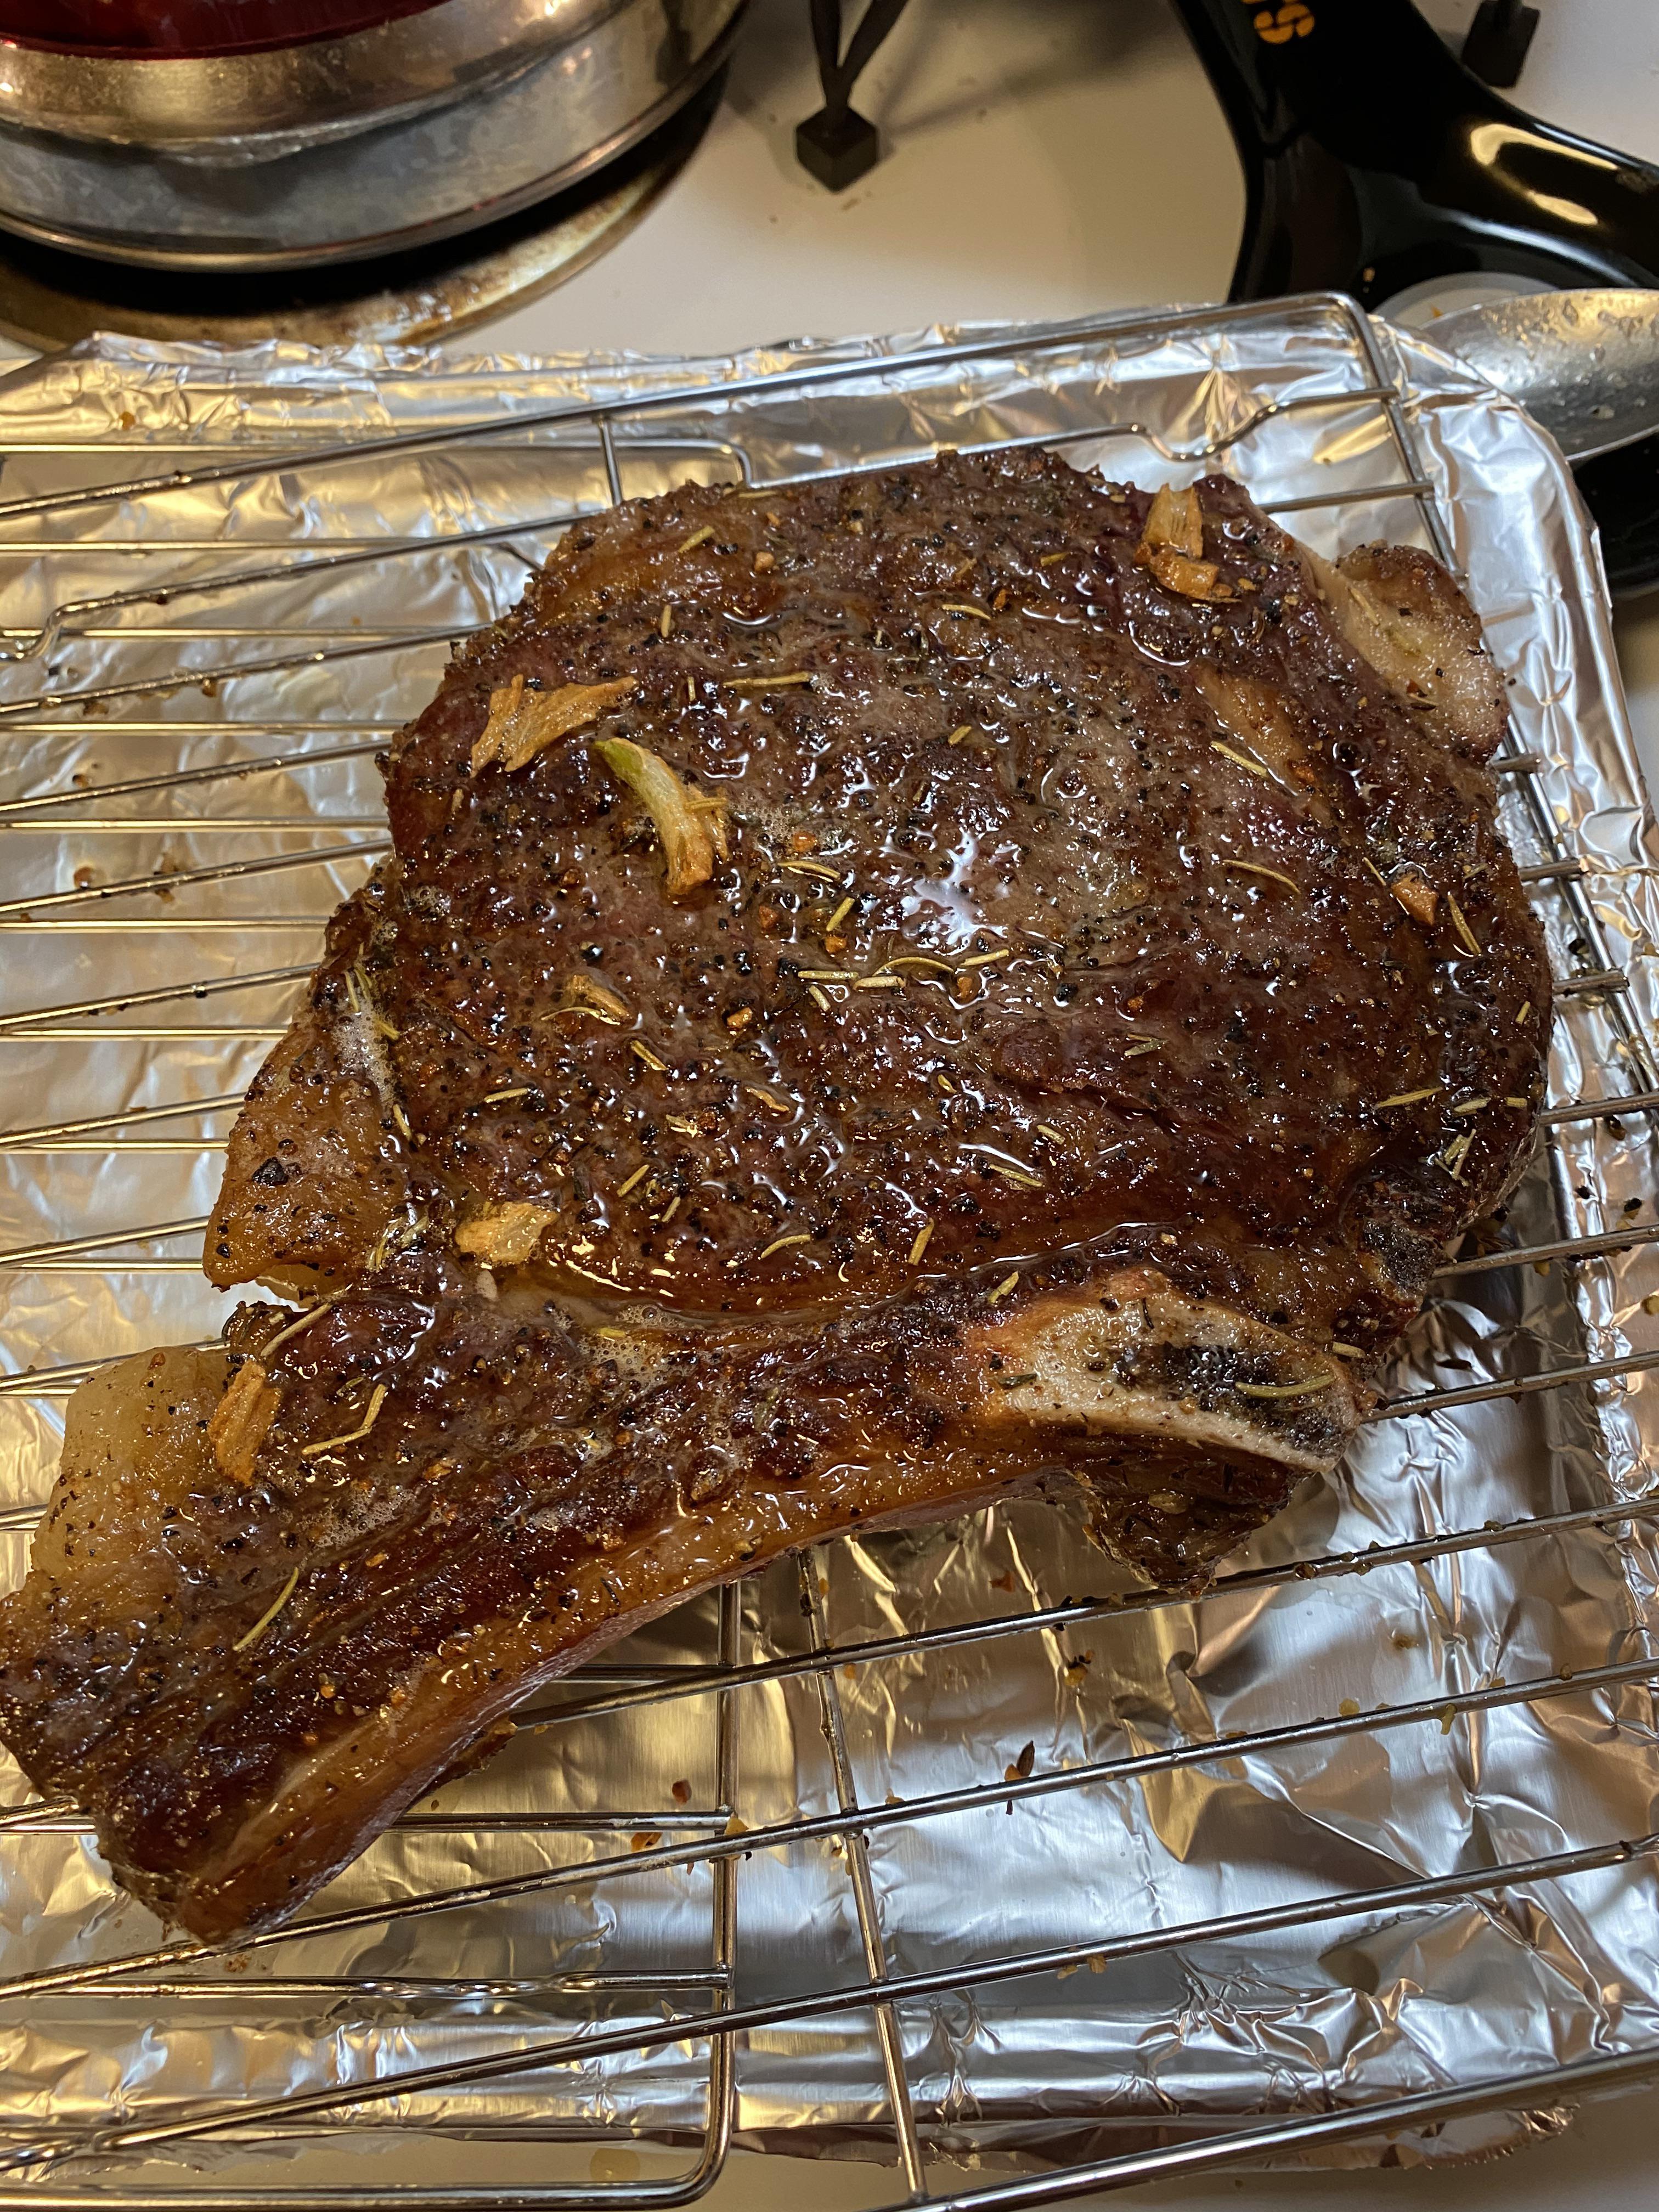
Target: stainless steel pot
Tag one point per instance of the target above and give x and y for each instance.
(285, 154)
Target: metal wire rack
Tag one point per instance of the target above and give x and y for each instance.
(200, 679)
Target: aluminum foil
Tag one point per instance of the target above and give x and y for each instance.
(1057, 2065)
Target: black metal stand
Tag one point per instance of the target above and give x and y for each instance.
(1498, 41)
(838, 145)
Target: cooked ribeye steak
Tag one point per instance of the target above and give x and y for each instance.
(887, 992)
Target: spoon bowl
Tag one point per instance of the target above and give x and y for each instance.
(1584, 364)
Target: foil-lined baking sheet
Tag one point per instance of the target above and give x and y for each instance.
(123, 670)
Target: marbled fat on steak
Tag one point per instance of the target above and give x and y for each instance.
(887, 993)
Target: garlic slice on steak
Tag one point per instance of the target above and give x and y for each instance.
(239, 1421)
(1172, 546)
(504, 1235)
(584, 994)
(522, 722)
(692, 828)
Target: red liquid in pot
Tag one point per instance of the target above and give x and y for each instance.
(160, 29)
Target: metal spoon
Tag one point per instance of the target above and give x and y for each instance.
(1586, 366)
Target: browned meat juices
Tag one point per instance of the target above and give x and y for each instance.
(886, 992)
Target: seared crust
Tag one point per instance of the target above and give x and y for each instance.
(1403, 614)
(1085, 994)
(314, 1170)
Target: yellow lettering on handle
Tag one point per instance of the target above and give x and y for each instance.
(1277, 26)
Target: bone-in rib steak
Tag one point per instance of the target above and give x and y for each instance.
(886, 993)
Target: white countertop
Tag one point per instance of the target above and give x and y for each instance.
(1049, 159)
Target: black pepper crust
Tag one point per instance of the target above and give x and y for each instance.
(1105, 990)
(1193, 988)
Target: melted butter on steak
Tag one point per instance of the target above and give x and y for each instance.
(1099, 1008)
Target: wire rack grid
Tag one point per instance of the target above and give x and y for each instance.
(224, 836)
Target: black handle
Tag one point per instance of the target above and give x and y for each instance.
(1375, 160)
